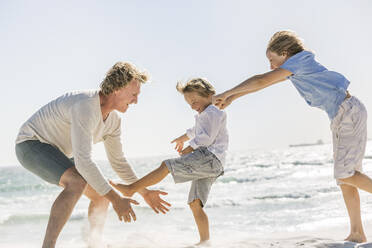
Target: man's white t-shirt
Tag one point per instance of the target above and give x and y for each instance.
(73, 123)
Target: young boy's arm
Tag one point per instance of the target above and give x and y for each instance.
(179, 142)
(250, 85)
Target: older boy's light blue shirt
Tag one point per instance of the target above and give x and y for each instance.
(320, 88)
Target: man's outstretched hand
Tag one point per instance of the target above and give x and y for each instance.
(152, 198)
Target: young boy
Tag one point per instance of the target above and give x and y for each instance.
(326, 90)
(202, 161)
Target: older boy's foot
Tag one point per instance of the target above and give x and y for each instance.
(205, 243)
(357, 238)
(200, 244)
(124, 189)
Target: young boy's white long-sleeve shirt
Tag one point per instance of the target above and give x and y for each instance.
(73, 123)
(210, 131)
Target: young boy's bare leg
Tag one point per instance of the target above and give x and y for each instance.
(352, 202)
(201, 220)
(152, 178)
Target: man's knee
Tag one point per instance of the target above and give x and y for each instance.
(73, 181)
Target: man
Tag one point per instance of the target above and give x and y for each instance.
(56, 145)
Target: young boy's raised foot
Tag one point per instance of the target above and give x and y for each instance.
(357, 238)
(126, 190)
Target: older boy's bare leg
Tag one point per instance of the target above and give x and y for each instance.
(360, 181)
(97, 213)
(352, 202)
(74, 186)
(152, 178)
(201, 220)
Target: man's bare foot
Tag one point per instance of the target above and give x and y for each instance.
(356, 237)
(124, 189)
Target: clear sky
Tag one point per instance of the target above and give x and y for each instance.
(50, 47)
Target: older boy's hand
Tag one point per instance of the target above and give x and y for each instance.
(219, 99)
(226, 103)
(187, 150)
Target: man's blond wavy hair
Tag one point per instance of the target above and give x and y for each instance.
(199, 85)
(120, 75)
(285, 42)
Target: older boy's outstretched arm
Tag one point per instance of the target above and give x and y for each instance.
(250, 85)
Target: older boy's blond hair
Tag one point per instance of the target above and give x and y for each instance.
(120, 75)
(285, 42)
(199, 85)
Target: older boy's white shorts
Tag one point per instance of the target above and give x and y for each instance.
(201, 167)
(349, 133)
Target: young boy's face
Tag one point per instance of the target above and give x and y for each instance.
(275, 60)
(196, 101)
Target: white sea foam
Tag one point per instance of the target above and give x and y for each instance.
(289, 192)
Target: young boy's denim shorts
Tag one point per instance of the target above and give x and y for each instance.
(349, 131)
(201, 167)
(43, 160)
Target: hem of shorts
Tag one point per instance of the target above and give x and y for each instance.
(194, 198)
(169, 165)
(343, 176)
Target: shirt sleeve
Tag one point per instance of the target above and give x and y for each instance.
(190, 132)
(114, 150)
(206, 130)
(83, 121)
(298, 62)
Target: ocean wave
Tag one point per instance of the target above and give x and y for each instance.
(245, 180)
(316, 163)
(285, 196)
(7, 188)
(11, 219)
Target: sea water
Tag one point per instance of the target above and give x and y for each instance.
(262, 193)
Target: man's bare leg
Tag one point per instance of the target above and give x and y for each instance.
(152, 178)
(97, 213)
(201, 220)
(62, 207)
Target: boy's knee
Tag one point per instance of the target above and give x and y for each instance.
(196, 204)
(163, 166)
(351, 179)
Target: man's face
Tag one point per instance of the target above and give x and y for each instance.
(127, 95)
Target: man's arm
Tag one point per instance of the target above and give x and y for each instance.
(81, 139)
(120, 165)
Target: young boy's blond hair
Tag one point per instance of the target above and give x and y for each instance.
(120, 75)
(199, 85)
(285, 42)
